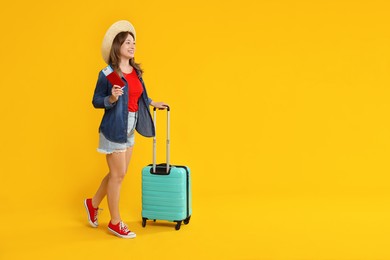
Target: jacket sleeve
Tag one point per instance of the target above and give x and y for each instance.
(102, 93)
(145, 93)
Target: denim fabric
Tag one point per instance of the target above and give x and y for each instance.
(114, 121)
(108, 147)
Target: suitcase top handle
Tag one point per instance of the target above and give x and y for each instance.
(168, 108)
(155, 140)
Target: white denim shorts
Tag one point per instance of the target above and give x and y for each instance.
(109, 147)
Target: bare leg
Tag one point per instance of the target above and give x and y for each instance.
(129, 152)
(101, 192)
(117, 165)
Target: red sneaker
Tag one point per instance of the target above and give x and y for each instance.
(92, 213)
(121, 230)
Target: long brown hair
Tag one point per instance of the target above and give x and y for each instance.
(115, 53)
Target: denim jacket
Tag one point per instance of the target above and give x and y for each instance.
(114, 121)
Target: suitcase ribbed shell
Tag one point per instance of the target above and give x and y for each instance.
(165, 197)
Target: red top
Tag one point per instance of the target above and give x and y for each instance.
(135, 90)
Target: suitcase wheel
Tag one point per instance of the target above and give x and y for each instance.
(177, 227)
(144, 222)
(187, 220)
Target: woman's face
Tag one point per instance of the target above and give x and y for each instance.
(128, 48)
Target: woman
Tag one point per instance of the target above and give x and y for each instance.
(126, 110)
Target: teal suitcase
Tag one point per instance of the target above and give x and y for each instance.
(166, 189)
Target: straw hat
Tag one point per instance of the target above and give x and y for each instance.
(120, 26)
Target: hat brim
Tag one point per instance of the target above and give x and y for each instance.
(120, 26)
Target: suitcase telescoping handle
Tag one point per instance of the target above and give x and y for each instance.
(155, 140)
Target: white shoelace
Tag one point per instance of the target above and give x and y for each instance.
(123, 227)
(95, 216)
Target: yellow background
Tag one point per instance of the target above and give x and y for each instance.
(280, 108)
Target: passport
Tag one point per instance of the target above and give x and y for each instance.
(113, 77)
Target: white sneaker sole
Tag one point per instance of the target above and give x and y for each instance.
(89, 219)
(130, 235)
